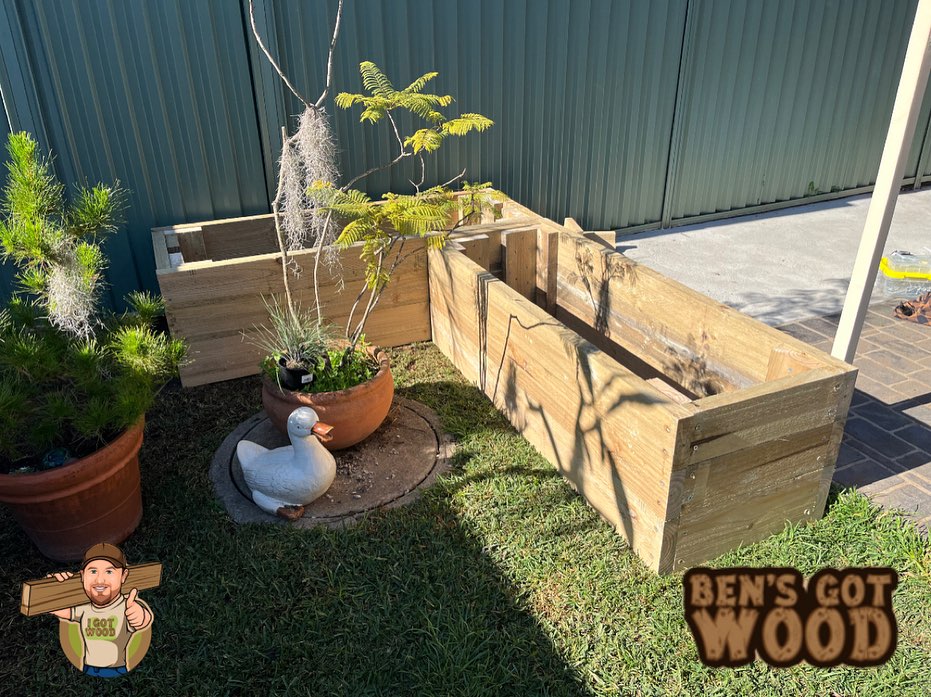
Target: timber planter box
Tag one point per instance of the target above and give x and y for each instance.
(688, 426)
(213, 277)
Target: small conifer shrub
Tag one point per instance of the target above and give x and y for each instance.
(72, 377)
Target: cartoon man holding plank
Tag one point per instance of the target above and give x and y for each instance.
(109, 620)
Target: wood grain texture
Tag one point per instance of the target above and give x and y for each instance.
(702, 344)
(520, 261)
(681, 479)
(606, 238)
(215, 305)
(191, 241)
(605, 429)
(160, 249)
(785, 361)
(48, 594)
(477, 248)
(547, 259)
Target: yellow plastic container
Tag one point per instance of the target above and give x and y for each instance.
(903, 274)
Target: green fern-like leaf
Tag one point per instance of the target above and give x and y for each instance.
(423, 105)
(426, 139)
(374, 80)
(354, 232)
(345, 100)
(465, 123)
(421, 82)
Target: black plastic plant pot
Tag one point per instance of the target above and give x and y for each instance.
(293, 378)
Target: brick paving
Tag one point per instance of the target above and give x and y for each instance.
(886, 451)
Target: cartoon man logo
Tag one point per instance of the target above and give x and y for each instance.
(109, 620)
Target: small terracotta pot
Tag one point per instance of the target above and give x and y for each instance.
(354, 414)
(94, 499)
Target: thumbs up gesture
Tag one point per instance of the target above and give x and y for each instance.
(136, 614)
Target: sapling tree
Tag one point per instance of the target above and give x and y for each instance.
(432, 213)
(307, 156)
(310, 206)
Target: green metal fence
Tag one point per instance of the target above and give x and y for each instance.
(625, 114)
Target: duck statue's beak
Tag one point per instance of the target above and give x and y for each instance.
(322, 431)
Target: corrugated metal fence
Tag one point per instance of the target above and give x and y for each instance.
(624, 114)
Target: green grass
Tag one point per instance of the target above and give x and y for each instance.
(498, 581)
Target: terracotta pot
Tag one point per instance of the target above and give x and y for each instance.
(94, 499)
(354, 414)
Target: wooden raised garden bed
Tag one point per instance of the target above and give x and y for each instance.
(690, 427)
(213, 277)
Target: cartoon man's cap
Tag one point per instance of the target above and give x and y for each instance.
(104, 550)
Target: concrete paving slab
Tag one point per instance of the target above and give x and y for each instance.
(781, 266)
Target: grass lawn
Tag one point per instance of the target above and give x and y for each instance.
(498, 581)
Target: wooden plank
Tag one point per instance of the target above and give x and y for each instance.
(477, 248)
(520, 257)
(241, 237)
(227, 315)
(547, 260)
(726, 481)
(761, 515)
(728, 423)
(785, 361)
(571, 224)
(709, 348)
(160, 249)
(768, 460)
(48, 595)
(191, 241)
(262, 275)
(212, 306)
(670, 391)
(230, 238)
(229, 356)
(606, 238)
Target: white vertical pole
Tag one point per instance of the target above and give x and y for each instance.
(888, 182)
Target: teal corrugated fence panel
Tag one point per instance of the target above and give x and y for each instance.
(582, 93)
(155, 94)
(624, 114)
(787, 99)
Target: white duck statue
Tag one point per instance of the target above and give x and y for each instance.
(284, 480)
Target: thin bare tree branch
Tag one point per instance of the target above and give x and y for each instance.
(372, 170)
(423, 175)
(401, 155)
(329, 61)
(458, 176)
(258, 38)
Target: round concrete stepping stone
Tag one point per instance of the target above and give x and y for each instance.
(387, 469)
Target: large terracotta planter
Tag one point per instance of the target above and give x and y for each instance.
(354, 414)
(95, 499)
